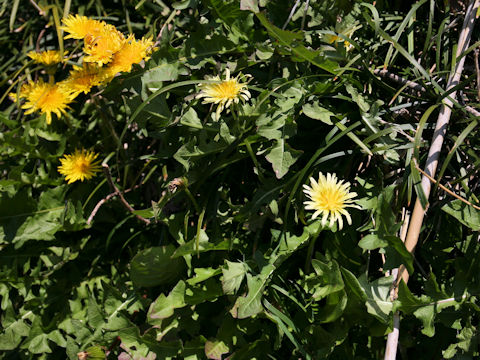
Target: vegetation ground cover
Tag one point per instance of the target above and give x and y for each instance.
(235, 179)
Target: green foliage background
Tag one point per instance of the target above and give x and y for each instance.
(231, 264)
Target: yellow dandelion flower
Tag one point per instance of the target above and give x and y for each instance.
(329, 198)
(46, 98)
(79, 27)
(132, 52)
(82, 79)
(48, 58)
(225, 92)
(79, 166)
(101, 48)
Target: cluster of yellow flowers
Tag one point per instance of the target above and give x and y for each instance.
(107, 52)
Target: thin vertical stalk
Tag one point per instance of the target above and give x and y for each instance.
(418, 214)
(439, 134)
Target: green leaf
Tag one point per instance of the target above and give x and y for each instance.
(290, 243)
(227, 11)
(291, 40)
(233, 274)
(269, 126)
(207, 291)
(156, 266)
(356, 97)
(190, 118)
(95, 316)
(466, 214)
(202, 274)
(164, 71)
(426, 307)
(194, 150)
(315, 111)
(24, 218)
(39, 345)
(251, 304)
(378, 297)
(399, 246)
(282, 156)
(215, 349)
(334, 307)
(164, 306)
(372, 242)
(327, 279)
(204, 245)
(353, 285)
(12, 335)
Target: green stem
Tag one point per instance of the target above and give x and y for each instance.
(311, 247)
(194, 202)
(254, 159)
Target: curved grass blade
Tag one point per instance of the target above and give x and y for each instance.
(400, 30)
(421, 126)
(458, 142)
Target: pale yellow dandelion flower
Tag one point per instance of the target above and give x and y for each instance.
(101, 48)
(79, 27)
(329, 198)
(48, 58)
(82, 79)
(132, 52)
(46, 98)
(79, 166)
(225, 92)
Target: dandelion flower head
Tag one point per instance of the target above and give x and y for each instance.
(224, 93)
(82, 79)
(47, 58)
(46, 98)
(132, 52)
(329, 198)
(79, 166)
(100, 48)
(80, 27)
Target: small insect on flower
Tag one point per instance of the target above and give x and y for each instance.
(329, 198)
(224, 93)
(79, 166)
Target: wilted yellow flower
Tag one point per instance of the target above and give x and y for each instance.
(46, 98)
(48, 58)
(101, 48)
(132, 52)
(79, 166)
(329, 198)
(80, 26)
(82, 79)
(225, 92)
